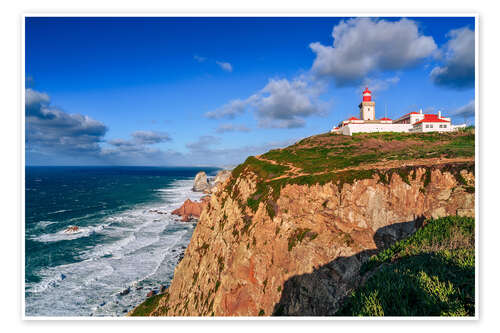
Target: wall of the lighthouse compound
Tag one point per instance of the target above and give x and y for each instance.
(371, 128)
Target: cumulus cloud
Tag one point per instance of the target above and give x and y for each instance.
(50, 130)
(363, 45)
(57, 137)
(458, 67)
(377, 85)
(285, 104)
(229, 110)
(224, 128)
(150, 137)
(280, 104)
(225, 66)
(466, 111)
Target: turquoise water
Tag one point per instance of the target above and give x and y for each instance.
(126, 239)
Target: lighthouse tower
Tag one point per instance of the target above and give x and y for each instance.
(367, 106)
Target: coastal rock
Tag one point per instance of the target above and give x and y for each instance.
(125, 292)
(191, 209)
(222, 176)
(201, 182)
(72, 229)
(219, 179)
(300, 253)
(151, 293)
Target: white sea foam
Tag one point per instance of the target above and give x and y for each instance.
(59, 211)
(64, 234)
(142, 253)
(44, 224)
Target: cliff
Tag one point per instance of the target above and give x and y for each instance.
(287, 233)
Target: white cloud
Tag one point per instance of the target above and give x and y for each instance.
(150, 137)
(284, 104)
(363, 45)
(280, 104)
(376, 85)
(225, 66)
(50, 130)
(229, 110)
(458, 69)
(224, 128)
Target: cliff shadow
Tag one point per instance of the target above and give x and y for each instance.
(320, 293)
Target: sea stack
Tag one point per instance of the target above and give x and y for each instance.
(201, 182)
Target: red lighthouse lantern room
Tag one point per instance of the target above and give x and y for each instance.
(367, 95)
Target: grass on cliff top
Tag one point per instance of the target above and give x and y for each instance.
(329, 152)
(431, 273)
(320, 158)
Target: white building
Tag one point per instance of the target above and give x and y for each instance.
(411, 122)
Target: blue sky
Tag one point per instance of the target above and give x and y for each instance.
(211, 91)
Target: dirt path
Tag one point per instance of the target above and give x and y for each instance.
(297, 172)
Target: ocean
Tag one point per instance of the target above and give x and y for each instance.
(127, 240)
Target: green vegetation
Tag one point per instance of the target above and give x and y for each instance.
(431, 273)
(327, 158)
(299, 235)
(328, 152)
(146, 307)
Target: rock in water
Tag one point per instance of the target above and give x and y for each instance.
(72, 229)
(191, 209)
(200, 182)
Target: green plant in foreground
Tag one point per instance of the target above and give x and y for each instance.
(428, 274)
(146, 307)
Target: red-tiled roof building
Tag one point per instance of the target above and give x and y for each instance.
(410, 122)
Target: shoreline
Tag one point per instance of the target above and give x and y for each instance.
(189, 212)
(111, 291)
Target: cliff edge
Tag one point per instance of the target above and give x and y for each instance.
(288, 232)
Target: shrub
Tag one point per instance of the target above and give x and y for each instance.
(431, 273)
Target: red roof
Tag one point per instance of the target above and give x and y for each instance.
(353, 118)
(432, 118)
(410, 114)
(385, 118)
(366, 91)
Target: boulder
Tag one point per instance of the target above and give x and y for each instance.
(201, 182)
(222, 176)
(151, 293)
(125, 292)
(72, 229)
(191, 209)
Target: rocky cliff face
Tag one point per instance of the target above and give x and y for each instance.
(298, 250)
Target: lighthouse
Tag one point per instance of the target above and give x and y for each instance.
(367, 106)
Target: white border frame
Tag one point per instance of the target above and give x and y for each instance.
(230, 13)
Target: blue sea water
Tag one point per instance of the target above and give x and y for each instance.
(126, 239)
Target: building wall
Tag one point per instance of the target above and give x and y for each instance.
(371, 128)
(426, 127)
